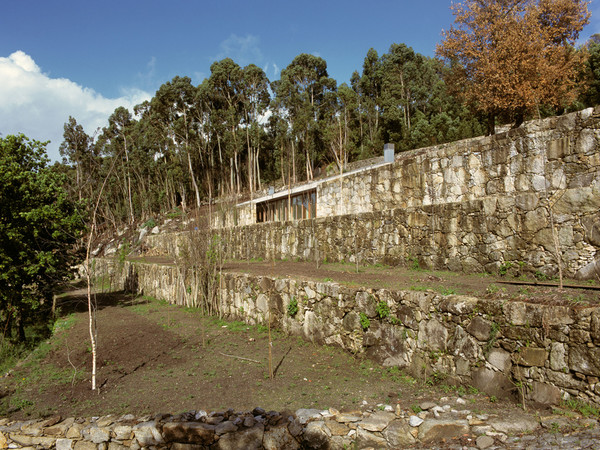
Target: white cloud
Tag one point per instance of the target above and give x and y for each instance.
(243, 50)
(34, 104)
(148, 78)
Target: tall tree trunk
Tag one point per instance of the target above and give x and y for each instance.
(257, 169)
(131, 216)
(194, 183)
(519, 117)
(491, 123)
(293, 162)
(250, 164)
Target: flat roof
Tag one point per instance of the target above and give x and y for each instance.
(309, 186)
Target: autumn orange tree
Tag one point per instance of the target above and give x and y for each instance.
(511, 56)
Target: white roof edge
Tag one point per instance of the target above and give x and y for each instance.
(309, 186)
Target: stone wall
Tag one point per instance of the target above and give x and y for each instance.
(308, 428)
(495, 345)
(520, 197)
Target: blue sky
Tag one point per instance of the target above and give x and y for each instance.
(83, 58)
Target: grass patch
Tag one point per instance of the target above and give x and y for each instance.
(585, 409)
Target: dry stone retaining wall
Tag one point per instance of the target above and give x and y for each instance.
(552, 352)
(471, 205)
(388, 427)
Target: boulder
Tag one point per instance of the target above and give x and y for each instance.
(435, 430)
(492, 383)
(316, 435)
(279, 438)
(398, 434)
(250, 438)
(189, 432)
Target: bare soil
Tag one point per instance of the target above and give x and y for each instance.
(159, 358)
(514, 285)
(155, 357)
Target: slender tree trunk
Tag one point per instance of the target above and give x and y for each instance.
(250, 164)
(293, 161)
(519, 117)
(232, 186)
(196, 190)
(491, 125)
(189, 160)
(257, 170)
(91, 307)
(131, 216)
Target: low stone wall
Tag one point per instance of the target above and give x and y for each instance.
(387, 427)
(501, 347)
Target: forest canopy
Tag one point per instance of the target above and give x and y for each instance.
(503, 61)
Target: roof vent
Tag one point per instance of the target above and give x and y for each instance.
(388, 153)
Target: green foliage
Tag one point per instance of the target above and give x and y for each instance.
(39, 226)
(576, 299)
(494, 330)
(150, 223)
(418, 288)
(504, 268)
(123, 252)
(583, 408)
(416, 409)
(541, 276)
(382, 309)
(413, 263)
(395, 321)
(365, 323)
(448, 291)
(63, 323)
(492, 288)
(435, 378)
(292, 308)
(591, 94)
(174, 214)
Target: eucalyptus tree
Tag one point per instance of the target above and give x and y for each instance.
(173, 108)
(116, 140)
(402, 98)
(278, 132)
(254, 93)
(368, 87)
(404, 91)
(302, 93)
(341, 126)
(206, 151)
(591, 90)
(225, 86)
(77, 149)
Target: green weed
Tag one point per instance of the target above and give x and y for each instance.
(292, 308)
(150, 223)
(383, 310)
(365, 323)
(585, 409)
(504, 268)
(448, 291)
(418, 288)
